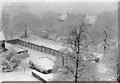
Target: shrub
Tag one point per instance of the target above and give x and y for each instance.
(11, 59)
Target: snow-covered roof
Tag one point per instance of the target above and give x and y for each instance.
(91, 18)
(44, 42)
(63, 16)
(10, 46)
(43, 63)
(46, 77)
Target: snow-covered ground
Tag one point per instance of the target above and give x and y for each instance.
(102, 69)
(18, 74)
(106, 69)
(105, 73)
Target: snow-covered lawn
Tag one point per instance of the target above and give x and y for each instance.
(106, 69)
(18, 74)
(105, 73)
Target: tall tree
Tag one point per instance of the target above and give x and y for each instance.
(78, 39)
(73, 63)
(24, 21)
(5, 18)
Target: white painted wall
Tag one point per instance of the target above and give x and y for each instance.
(2, 37)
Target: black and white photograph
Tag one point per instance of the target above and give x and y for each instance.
(59, 41)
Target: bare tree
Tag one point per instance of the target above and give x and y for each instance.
(5, 18)
(76, 40)
(5, 21)
(74, 62)
(79, 42)
(25, 20)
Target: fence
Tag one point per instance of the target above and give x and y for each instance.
(36, 47)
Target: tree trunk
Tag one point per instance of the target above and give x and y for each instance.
(76, 73)
(25, 33)
(105, 42)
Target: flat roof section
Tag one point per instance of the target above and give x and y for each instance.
(44, 42)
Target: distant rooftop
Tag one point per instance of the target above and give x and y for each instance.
(91, 18)
(63, 16)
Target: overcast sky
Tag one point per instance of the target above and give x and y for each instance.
(76, 7)
(72, 7)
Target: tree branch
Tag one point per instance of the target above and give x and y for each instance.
(81, 69)
(69, 69)
(72, 58)
(105, 39)
(84, 69)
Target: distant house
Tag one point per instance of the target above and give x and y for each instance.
(63, 16)
(91, 18)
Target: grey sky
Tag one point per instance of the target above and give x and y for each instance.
(92, 7)
(72, 7)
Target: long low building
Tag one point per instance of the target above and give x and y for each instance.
(44, 42)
